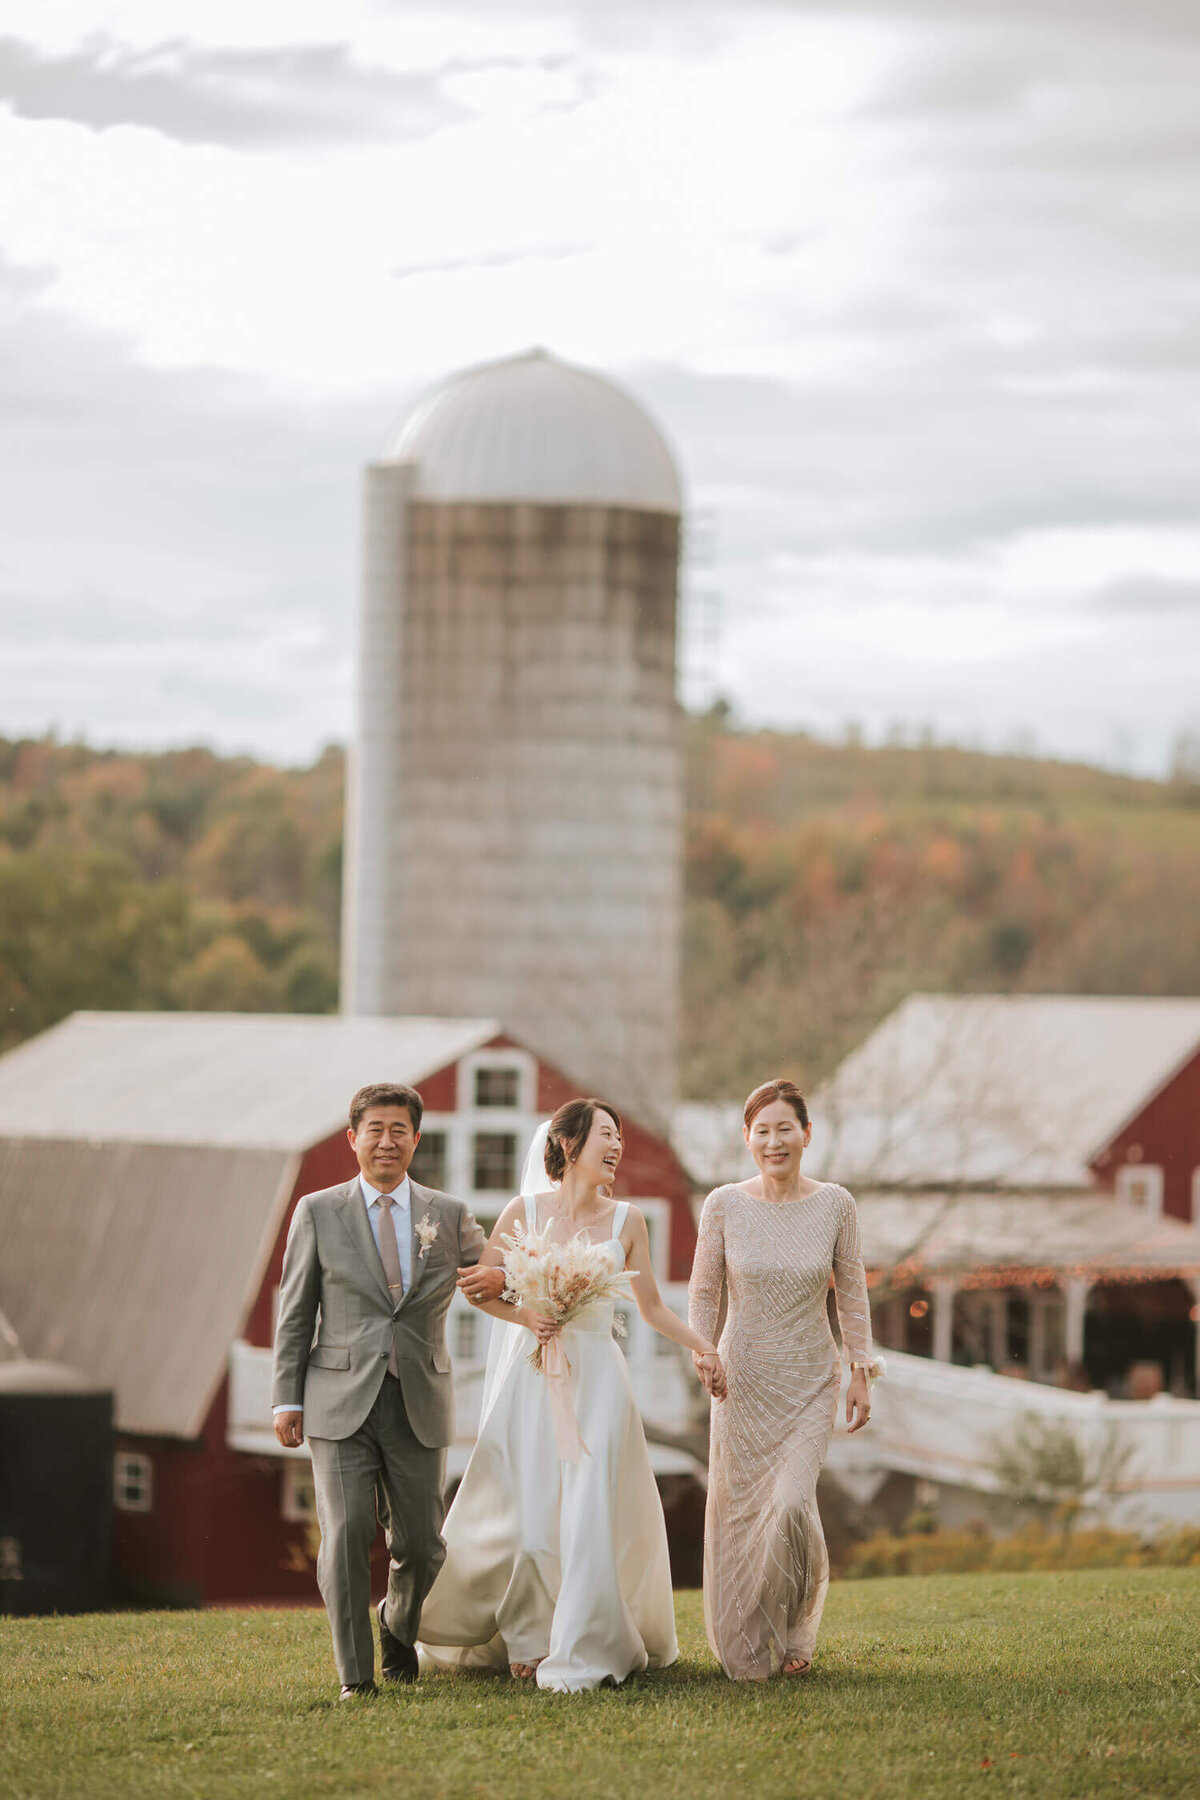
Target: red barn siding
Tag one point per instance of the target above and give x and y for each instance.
(1165, 1133)
(216, 1533)
(324, 1165)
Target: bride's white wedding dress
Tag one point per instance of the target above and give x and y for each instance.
(546, 1561)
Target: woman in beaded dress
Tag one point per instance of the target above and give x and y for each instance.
(767, 1248)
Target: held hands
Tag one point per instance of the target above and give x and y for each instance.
(479, 1285)
(708, 1368)
(858, 1400)
(289, 1429)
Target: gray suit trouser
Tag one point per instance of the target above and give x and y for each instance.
(383, 1463)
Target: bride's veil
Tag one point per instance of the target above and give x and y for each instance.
(505, 1343)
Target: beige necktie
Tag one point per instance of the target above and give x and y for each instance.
(389, 1255)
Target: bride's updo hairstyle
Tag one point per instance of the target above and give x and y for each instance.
(768, 1093)
(569, 1131)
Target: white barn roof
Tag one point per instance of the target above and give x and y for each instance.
(532, 428)
(1015, 1090)
(146, 1160)
(221, 1080)
(957, 1233)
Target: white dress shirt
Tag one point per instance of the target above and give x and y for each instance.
(401, 1219)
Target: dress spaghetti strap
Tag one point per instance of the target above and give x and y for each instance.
(619, 1217)
(530, 1211)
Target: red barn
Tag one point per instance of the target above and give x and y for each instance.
(149, 1166)
(1152, 1160)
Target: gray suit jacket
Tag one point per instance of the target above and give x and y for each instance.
(337, 1321)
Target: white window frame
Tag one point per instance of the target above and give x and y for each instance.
(1196, 1196)
(502, 1128)
(526, 1067)
(440, 1123)
(657, 1213)
(298, 1494)
(133, 1482)
(457, 1318)
(1130, 1174)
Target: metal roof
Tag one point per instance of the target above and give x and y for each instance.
(138, 1262)
(957, 1233)
(1015, 1090)
(533, 428)
(146, 1160)
(221, 1080)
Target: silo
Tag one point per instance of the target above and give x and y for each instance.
(514, 805)
(56, 1473)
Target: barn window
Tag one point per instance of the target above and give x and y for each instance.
(495, 1162)
(1141, 1185)
(299, 1503)
(497, 1087)
(465, 1325)
(133, 1482)
(428, 1166)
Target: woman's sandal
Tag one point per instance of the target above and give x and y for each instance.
(796, 1665)
(523, 1671)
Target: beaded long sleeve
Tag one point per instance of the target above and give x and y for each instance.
(707, 1284)
(850, 1285)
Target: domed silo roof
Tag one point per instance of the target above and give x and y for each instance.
(532, 428)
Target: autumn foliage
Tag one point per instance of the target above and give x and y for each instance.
(823, 882)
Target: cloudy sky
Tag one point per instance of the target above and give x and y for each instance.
(913, 287)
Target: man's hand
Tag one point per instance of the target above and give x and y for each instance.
(289, 1429)
(480, 1284)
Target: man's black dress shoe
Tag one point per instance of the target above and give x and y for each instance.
(359, 1690)
(399, 1661)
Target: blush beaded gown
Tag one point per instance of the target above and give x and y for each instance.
(765, 1565)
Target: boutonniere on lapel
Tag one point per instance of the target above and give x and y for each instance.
(427, 1231)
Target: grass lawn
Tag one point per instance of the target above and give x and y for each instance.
(1050, 1684)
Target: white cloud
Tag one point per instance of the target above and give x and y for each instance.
(911, 286)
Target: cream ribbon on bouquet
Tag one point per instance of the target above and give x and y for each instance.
(559, 1281)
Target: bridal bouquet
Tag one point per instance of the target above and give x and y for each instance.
(558, 1280)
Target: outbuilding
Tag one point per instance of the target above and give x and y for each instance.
(149, 1166)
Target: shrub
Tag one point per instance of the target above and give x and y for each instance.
(958, 1552)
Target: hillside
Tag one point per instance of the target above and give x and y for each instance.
(823, 882)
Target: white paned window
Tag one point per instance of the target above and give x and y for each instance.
(298, 1504)
(466, 1336)
(497, 1081)
(657, 1214)
(1141, 1185)
(133, 1482)
(494, 1162)
(428, 1165)
(498, 1087)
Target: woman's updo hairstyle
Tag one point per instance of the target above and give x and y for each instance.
(768, 1093)
(569, 1131)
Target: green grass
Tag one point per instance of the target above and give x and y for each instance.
(1080, 1683)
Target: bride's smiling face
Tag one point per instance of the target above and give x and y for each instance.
(600, 1157)
(777, 1140)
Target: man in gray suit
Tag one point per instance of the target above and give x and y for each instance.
(362, 1371)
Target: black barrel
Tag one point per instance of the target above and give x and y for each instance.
(56, 1458)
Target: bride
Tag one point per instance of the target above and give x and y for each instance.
(560, 1569)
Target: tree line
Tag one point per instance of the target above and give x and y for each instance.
(823, 882)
